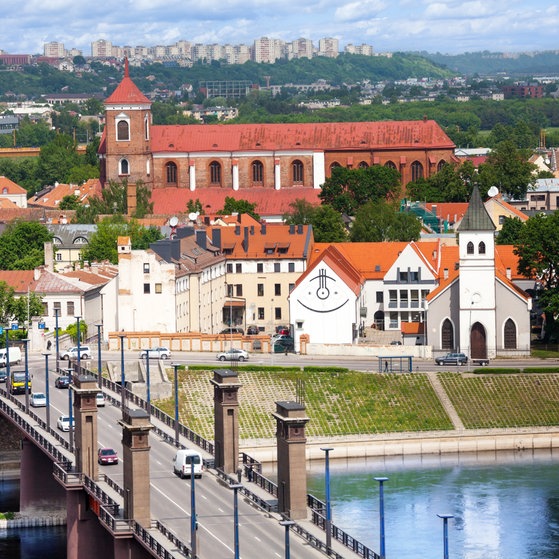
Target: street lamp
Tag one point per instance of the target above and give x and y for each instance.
(26, 374)
(287, 524)
(193, 518)
(381, 481)
(176, 367)
(47, 393)
(445, 518)
(235, 487)
(79, 350)
(56, 311)
(328, 507)
(148, 392)
(7, 351)
(70, 410)
(122, 376)
(99, 365)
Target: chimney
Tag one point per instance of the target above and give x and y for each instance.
(445, 273)
(509, 273)
(48, 249)
(184, 232)
(216, 237)
(201, 238)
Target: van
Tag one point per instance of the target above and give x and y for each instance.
(15, 382)
(14, 353)
(183, 460)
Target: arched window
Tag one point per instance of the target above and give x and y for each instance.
(447, 335)
(4, 190)
(124, 167)
(146, 128)
(470, 248)
(390, 165)
(297, 168)
(215, 173)
(441, 164)
(257, 172)
(416, 171)
(510, 334)
(122, 130)
(334, 165)
(481, 248)
(362, 165)
(171, 172)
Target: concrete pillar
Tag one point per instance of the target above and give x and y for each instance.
(85, 389)
(226, 420)
(135, 449)
(291, 450)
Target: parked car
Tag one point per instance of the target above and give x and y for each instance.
(452, 359)
(283, 344)
(63, 423)
(72, 353)
(395, 342)
(62, 382)
(100, 399)
(252, 330)
(107, 456)
(38, 400)
(232, 330)
(233, 354)
(3, 374)
(156, 353)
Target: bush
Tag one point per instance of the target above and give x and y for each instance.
(496, 371)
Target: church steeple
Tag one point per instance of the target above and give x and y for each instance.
(476, 217)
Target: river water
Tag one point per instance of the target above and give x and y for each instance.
(505, 506)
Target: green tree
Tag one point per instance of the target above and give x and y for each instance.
(6, 302)
(232, 205)
(510, 231)
(195, 206)
(81, 173)
(328, 225)
(69, 202)
(301, 213)
(380, 221)
(22, 245)
(453, 183)
(56, 159)
(143, 205)
(346, 190)
(26, 307)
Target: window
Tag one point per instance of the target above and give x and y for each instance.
(297, 168)
(146, 128)
(146, 268)
(260, 290)
(447, 335)
(146, 288)
(239, 290)
(291, 266)
(238, 268)
(380, 296)
(470, 248)
(333, 166)
(403, 277)
(260, 313)
(158, 288)
(70, 308)
(277, 312)
(390, 165)
(45, 308)
(257, 172)
(481, 248)
(58, 256)
(363, 165)
(229, 268)
(291, 287)
(171, 172)
(229, 290)
(277, 267)
(416, 171)
(259, 268)
(501, 219)
(215, 173)
(441, 164)
(510, 334)
(277, 289)
(124, 167)
(122, 130)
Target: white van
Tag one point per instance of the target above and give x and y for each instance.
(15, 356)
(183, 460)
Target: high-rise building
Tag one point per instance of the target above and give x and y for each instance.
(329, 47)
(54, 50)
(267, 50)
(101, 49)
(300, 48)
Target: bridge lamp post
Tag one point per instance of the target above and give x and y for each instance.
(193, 517)
(328, 525)
(8, 350)
(287, 524)
(176, 368)
(99, 365)
(235, 487)
(70, 410)
(445, 518)
(148, 392)
(381, 481)
(122, 376)
(78, 335)
(47, 392)
(26, 374)
(56, 311)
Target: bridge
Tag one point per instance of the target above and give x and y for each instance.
(139, 508)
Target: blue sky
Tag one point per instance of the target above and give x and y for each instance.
(445, 26)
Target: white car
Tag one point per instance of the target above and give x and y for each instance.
(156, 353)
(100, 399)
(63, 423)
(233, 354)
(38, 400)
(72, 353)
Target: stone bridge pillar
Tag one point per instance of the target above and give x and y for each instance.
(85, 417)
(226, 420)
(292, 466)
(135, 448)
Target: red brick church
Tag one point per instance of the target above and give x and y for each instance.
(256, 162)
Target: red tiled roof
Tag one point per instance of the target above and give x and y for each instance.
(395, 135)
(19, 280)
(453, 212)
(52, 198)
(11, 186)
(173, 201)
(127, 91)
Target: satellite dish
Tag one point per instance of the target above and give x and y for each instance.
(174, 221)
(192, 216)
(493, 191)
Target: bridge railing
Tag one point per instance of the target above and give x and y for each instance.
(245, 491)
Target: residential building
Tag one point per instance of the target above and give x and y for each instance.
(12, 192)
(51, 196)
(68, 243)
(268, 50)
(329, 47)
(54, 50)
(101, 49)
(544, 197)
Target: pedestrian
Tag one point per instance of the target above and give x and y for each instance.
(386, 366)
(250, 473)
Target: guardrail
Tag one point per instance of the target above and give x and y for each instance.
(246, 492)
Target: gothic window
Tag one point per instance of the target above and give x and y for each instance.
(146, 128)
(470, 248)
(297, 167)
(390, 165)
(363, 165)
(215, 173)
(334, 165)
(441, 164)
(447, 335)
(171, 172)
(481, 248)
(124, 167)
(510, 334)
(416, 171)
(257, 172)
(122, 130)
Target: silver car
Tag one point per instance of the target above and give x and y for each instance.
(156, 353)
(233, 354)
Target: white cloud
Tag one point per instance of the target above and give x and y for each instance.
(359, 10)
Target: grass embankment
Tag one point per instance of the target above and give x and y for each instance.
(341, 402)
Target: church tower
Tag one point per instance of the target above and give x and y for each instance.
(476, 241)
(125, 149)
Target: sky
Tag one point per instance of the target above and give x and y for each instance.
(445, 26)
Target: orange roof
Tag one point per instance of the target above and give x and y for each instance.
(53, 197)
(453, 212)
(173, 201)
(412, 328)
(19, 280)
(8, 204)
(339, 136)
(10, 186)
(127, 91)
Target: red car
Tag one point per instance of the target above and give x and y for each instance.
(107, 456)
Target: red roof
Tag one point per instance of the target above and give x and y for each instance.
(10, 186)
(127, 92)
